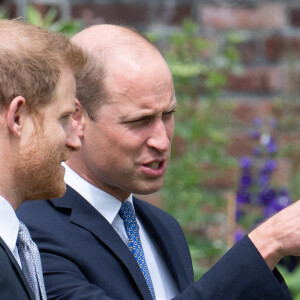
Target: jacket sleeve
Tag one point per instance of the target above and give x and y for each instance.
(240, 274)
(70, 271)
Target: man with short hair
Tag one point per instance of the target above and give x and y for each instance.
(103, 243)
(37, 99)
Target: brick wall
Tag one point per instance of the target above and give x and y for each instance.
(271, 30)
(268, 27)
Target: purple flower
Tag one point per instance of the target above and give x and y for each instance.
(269, 211)
(245, 162)
(283, 198)
(264, 179)
(283, 192)
(254, 134)
(255, 179)
(272, 146)
(239, 234)
(265, 172)
(274, 122)
(257, 151)
(243, 196)
(269, 166)
(238, 215)
(278, 203)
(246, 179)
(257, 121)
(266, 196)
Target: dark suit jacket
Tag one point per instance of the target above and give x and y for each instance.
(84, 258)
(13, 284)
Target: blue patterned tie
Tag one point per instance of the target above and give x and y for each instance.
(132, 229)
(31, 262)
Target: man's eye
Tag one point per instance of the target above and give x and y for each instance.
(140, 121)
(169, 113)
(65, 117)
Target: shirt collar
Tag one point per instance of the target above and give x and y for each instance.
(9, 224)
(107, 205)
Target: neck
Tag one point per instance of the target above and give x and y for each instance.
(84, 172)
(11, 197)
(8, 187)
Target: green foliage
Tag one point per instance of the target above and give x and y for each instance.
(3, 14)
(199, 67)
(292, 280)
(50, 20)
(186, 193)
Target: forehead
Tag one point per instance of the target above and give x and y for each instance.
(144, 82)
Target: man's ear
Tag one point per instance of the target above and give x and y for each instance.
(78, 120)
(15, 115)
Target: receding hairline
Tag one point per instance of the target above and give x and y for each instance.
(105, 40)
(105, 45)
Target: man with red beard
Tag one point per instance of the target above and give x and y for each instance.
(37, 99)
(99, 241)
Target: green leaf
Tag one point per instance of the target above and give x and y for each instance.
(33, 16)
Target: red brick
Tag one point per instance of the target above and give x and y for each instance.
(132, 14)
(232, 17)
(282, 175)
(111, 13)
(291, 79)
(174, 16)
(247, 110)
(294, 16)
(42, 8)
(256, 79)
(240, 144)
(11, 9)
(277, 47)
(248, 51)
(220, 179)
(290, 143)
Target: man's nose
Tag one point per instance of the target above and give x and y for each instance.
(159, 138)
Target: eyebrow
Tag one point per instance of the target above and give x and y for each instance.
(140, 115)
(68, 111)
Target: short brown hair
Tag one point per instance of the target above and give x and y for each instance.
(90, 86)
(31, 59)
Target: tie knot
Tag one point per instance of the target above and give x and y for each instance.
(127, 213)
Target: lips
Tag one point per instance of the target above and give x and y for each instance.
(154, 168)
(153, 165)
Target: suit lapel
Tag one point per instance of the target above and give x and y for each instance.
(18, 270)
(86, 216)
(155, 226)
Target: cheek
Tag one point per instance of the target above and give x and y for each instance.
(170, 127)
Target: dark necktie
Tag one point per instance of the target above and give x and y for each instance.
(132, 229)
(31, 262)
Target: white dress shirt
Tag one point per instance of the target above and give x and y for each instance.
(162, 280)
(9, 227)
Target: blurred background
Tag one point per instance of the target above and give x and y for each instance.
(236, 150)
